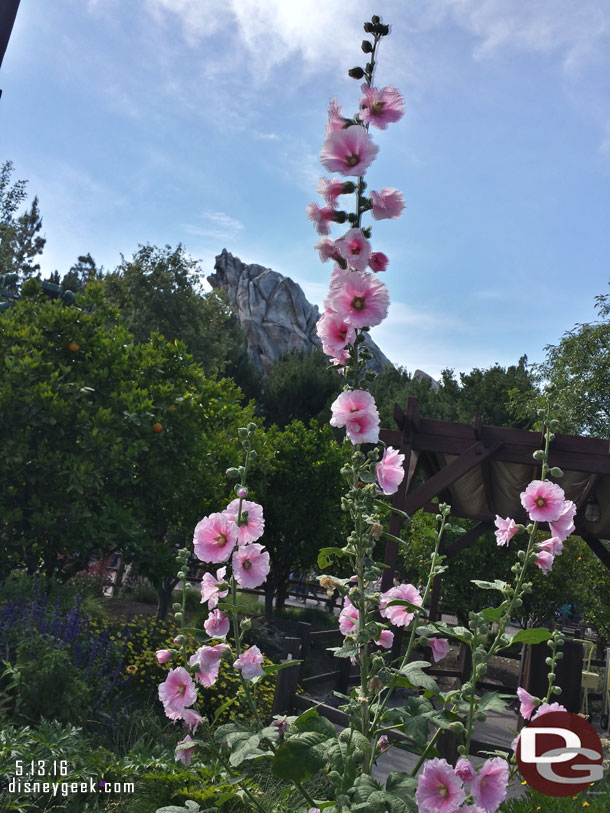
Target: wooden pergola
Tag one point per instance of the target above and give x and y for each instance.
(481, 470)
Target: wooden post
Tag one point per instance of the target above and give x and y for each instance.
(534, 673)
(345, 667)
(465, 663)
(304, 633)
(287, 680)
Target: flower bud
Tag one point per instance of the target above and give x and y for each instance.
(368, 28)
(548, 661)
(251, 427)
(556, 472)
(245, 624)
(366, 46)
(178, 616)
(538, 454)
(340, 217)
(177, 607)
(232, 472)
(556, 689)
(384, 30)
(356, 73)
(163, 655)
(253, 454)
(375, 19)
(376, 531)
(242, 432)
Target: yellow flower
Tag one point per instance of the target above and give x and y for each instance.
(524, 782)
(586, 804)
(132, 669)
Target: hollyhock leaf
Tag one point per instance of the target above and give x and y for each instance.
(497, 584)
(348, 650)
(325, 556)
(199, 635)
(414, 673)
(220, 711)
(401, 785)
(272, 668)
(401, 602)
(492, 701)
(364, 786)
(536, 635)
(315, 723)
(299, 758)
(493, 613)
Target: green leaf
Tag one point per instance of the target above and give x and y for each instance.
(326, 555)
(298, 759)
(221, 709)
(401, 784)
(402, 602)
(493, 613)
(417, 677)
(497, 584)
(491, 701)
(315, 722)
(536, 635)
(272, 668)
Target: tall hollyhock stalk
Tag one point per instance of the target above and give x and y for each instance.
(358, 300)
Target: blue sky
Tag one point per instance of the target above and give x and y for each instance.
(201, 122)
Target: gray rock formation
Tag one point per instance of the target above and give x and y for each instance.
(273, 311)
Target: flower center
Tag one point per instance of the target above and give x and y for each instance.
(352, 160)
(377, 108)
(354, 247)
(247, 564)
(342, 333)
(443, 791)
(222, 540)
(358, 303)
(181, 689)
(540, 502)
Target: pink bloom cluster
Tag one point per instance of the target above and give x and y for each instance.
(390, 472)
(544, 502)
(232, 534)
(357, 412)
(380, 107)
(443, 789)
(398, 614)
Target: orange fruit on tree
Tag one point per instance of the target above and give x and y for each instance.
(74, 346)
(157, 427)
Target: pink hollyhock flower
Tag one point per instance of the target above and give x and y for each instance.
(528, 703)
(563, 526)
(554, 546)
(390, 472)
(399, 615)
(350, 151)
(163, 655)
(321, 218)
(217, 624)
(340, 360)
(251, 524)
(242, 492)
(387, 204)
(380, 107)
(208, 658)
(250, 663)
(440, 648)
(439, 790)
(545, 708)
(359, 297)
(506, 529)
(330, 189)
(357, 412)
(192, 719)
(334, 332)
(386, 639)
(545, 560)
(355, 249)
(327, 250)
(185, 754)
(488, 788)
(465, 770)
(215, 537)
(177, 692)
(378, 261)
(210, 585)
(336, 119)
(348, 617)
(543, 501)
(250, 565)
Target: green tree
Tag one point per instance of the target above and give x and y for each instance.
(106, 443)
(20, 241)
(578, 368)
(159, 290)
(80, 274)
(300, 386)
(489, 392)
(299, 485)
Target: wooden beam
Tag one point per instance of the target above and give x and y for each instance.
(445, 477)
(8, 12)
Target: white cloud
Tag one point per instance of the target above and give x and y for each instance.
(215, 225)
